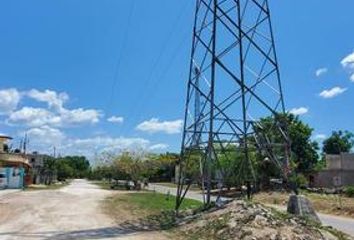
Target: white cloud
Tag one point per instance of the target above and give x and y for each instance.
(33, 117)
(348, 61)
(320, 137)
(52, 98)
(321, 71)
(352, 77)
(154, 125)
(96, 145)
(348, 64)
(115, 119)
(56, 115)
(299, 111)
(80, 116)
(159, 146)
(45, 136)
(36, 117)
(9, 100)
(333, 92)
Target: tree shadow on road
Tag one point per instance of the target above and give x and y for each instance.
(163, 221)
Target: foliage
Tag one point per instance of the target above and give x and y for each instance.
(161, 167)
(349, 191)
(339, 142)
(236, 170)
(72, 167)
(64, 168)
(135, 166)
(231, 161)
(299, 179)
(304, 150)
(49, 170)
(132, 165)
(320, 165)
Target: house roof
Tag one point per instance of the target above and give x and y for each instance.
(2, 136)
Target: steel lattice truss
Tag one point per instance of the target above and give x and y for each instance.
(234, 81)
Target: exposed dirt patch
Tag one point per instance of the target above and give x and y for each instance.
(328, 204)
(242, 220)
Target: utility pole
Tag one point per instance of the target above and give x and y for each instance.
(54, 151)
(25, 144)
(234, 81)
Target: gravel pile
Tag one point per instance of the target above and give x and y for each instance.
(243, 220)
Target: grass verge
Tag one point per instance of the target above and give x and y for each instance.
(146, 210)
(102, 184)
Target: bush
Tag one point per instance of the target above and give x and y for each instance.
(299, 179)
(349, 191)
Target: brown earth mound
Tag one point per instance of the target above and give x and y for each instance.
(243, 220)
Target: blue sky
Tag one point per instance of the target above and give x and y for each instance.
(93, 75)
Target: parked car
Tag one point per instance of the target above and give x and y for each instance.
(2, 181)
(122, 184)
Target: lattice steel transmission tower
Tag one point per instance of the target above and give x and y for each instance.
(234, 82)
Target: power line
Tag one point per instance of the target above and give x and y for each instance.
(142, 96)
(165, 71)
(120, 56)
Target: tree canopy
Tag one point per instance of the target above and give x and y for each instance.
(339, 142)
(304, 150)
(72, 167)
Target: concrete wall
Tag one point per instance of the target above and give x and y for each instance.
(37, 163)
(2, 143)
(36, 160)
(347, 161)
(331, 178)
(339, 172)
(334, 161)
(14, 177)
(343, 161)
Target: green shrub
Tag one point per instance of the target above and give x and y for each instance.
(349, 191)
(299, 179)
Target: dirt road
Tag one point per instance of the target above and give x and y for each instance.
(72, 212)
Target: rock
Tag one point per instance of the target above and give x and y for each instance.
(301, 206)
(292, 221)
(260, 220)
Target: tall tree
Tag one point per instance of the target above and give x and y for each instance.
(49, 169)
(304, 150)
(131, 164)
(339, 142)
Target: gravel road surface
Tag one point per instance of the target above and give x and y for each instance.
(72, 212)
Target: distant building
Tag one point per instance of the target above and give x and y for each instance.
(14, 167)
(40, 174)
(339, 172)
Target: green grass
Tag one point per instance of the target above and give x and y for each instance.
(146, 210)
(102, 184)
(151, 201)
